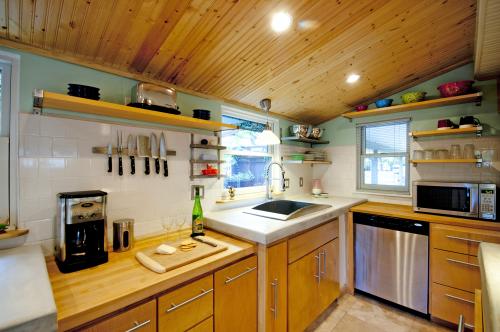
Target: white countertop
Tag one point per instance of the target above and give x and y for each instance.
(26, 299)
(265, 230)
(489, 264)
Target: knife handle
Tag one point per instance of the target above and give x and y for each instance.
(110, 164)
(132, 165)
(157, 165)
(120, 166)
(165, 168)
(146, 166)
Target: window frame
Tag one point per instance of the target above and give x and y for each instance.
(273, 149)
(360, 158)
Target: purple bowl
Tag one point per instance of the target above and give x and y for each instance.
(452, 89)
(360, 108)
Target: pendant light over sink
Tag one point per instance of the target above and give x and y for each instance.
(267, 136)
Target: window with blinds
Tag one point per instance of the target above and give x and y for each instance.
(383, 156)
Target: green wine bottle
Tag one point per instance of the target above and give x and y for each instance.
(197, 216)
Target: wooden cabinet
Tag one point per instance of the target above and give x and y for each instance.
(206, 326)
(141, 318)
(275, 290)
(187, 306)
(454, 270)
(312, 285)
(235, 306)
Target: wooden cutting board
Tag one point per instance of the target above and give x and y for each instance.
(162, 263)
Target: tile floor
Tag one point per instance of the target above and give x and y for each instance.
(362, 314)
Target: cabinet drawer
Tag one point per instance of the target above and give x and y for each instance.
(141, 319)
(236, 297)
(455, 270)
(461, 239)
(304, 243)
(187, 306)
(206, 326)
(449, 303)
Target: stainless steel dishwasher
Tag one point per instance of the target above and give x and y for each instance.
(392, 259)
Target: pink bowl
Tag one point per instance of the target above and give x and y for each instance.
(451, 89)
(361, 108)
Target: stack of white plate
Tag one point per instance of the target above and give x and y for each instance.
(316, 155)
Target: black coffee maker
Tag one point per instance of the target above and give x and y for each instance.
(81, 230)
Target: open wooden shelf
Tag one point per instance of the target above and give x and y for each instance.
(469, 98)
(207, 146)
(199, 161)
(13, 233)
(304, 140)
(446, 161)
(310, 162)
(46, 99)
(457, 131)
(201, 176)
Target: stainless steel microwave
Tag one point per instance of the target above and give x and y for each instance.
(471, 200)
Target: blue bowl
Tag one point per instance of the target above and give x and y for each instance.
(383, 103)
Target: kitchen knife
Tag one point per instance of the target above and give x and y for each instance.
(154, 152)
(131, 151)
(203, 240)
(110, 158)
(120, 150)
(142, 151)
(163, 154)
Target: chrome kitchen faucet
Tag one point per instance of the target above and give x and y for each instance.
(268, 182)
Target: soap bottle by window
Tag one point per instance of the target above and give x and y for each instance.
(197, 220)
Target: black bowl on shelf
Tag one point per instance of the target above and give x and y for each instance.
(155, 108)
(201, 114)
(83, 91)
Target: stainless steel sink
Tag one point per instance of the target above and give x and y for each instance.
(285, 209)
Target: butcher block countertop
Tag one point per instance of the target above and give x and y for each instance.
(88, 294)
(406, 212)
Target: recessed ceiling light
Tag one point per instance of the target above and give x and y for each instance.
(353, 78)
(281, 21)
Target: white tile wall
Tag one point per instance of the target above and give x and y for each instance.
(55, 155)
(340, 177)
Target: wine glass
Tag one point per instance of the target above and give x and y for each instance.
(166, 223)
(179, 220)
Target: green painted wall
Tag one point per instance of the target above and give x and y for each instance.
(39, 72)
(341, 131)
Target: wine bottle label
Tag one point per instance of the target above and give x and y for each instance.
(197, 224)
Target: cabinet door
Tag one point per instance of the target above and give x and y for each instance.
(206, 326)
(276, 287)
(303, 290)
(329, 289)
(236, 297)
(141, 319)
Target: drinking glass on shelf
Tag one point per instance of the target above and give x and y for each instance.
(442, 154)
(469, 151)
(428, 154)
(418, 154)
(166, 224)
(455, 151)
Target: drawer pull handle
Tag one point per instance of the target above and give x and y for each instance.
(460, 324)
(274, 309)
(138, 325)
(462, 239)
(458, 298)
(461, 262)
(174, 306)
(231, 279)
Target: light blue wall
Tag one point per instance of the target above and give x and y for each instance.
(341, 131)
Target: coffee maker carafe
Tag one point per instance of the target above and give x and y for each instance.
(81, 230)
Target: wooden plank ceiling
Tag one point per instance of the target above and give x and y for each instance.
(227, 50)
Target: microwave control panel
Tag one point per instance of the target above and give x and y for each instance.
(487, 201)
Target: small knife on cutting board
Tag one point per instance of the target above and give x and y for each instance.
(131, 152)
(143, 151)
(202, 239)
(154, 152)
(110, 158)
(163, 154)
(119, 135)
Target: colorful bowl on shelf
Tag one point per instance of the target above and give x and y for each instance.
(458, 88)
(413, 97)
(360, 108)
(383, 103)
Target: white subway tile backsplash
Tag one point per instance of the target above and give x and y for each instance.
(28, 167)
(65, 147)
(29, 125)
(51, 167)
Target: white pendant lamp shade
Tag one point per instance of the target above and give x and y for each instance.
(267, 136)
